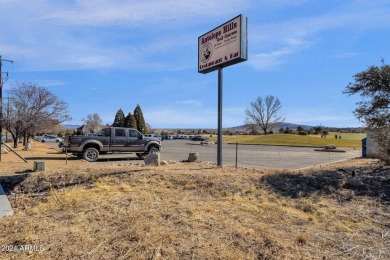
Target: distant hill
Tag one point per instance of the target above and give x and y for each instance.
(284, 125)
(71, 126)
(292, 126)
(241, 128)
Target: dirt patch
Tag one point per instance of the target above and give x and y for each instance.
(50, 153)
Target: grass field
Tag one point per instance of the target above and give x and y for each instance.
(347, 139)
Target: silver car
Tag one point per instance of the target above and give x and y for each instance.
(49, 139)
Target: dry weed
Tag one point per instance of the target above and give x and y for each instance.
(193, 211)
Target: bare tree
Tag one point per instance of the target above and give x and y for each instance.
(264, 113)
(29, 108)
(93, 122)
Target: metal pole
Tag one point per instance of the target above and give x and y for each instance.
(1, 104)
(219, 149)
(236, 155)
(1, 110)
(6, 132)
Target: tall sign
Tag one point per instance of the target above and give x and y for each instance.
(224, 46)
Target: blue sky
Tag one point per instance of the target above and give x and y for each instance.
(101, 55)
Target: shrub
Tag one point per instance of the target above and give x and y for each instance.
(288, 131)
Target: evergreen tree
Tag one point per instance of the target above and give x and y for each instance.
(373, 85)
(130, 121)
(139, 119)
(119, 119)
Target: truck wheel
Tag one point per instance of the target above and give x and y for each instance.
(91, 154)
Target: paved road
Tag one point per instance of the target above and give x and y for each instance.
(256, 156)
(250, 156)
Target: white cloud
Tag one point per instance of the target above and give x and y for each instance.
(140, 13)
(105, 34)
(263, 61)
(272, 43)
(51, 83)
(85, 34)
(192, 103)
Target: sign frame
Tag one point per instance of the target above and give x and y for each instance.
(223, 46)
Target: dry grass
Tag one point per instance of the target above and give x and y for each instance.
(196, 211)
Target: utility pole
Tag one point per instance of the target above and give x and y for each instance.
(1, 101)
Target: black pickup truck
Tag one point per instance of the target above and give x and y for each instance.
(111, 139)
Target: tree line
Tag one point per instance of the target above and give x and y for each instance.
(28, 109)
(93, 122)
(135, 120)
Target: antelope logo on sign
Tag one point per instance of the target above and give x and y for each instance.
(206, 51)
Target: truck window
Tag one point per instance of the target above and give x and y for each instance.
(134, 133)
(106, 132)
(120, 133)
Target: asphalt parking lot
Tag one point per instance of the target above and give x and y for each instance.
(255, 156)
(249, 156)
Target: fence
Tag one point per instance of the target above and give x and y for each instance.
(257, 156)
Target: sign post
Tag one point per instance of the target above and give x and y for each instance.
(224, 46)
(220, 92)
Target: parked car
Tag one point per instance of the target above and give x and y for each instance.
(48, 138)
(198, 138)
(7, 139)
(154, 136)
